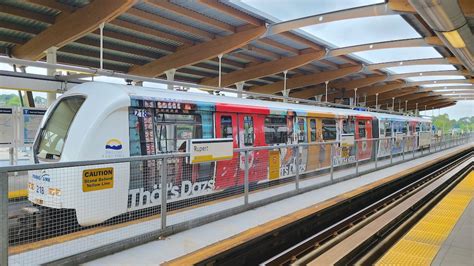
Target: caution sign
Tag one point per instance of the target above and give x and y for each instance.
(274, 164)
(97, 179)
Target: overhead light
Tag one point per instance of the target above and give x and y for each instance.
(454, 39)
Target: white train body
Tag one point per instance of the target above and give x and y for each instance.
(100, 130)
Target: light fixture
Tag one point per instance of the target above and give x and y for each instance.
(371, 46)
(454, 39)
(320, 18)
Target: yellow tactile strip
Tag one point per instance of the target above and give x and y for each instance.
(421, 244)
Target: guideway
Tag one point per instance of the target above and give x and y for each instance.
(271, 229)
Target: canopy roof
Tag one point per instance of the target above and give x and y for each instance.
(376, 47)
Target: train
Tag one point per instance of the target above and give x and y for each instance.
(98, 120)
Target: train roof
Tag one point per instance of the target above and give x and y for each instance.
(164, 94)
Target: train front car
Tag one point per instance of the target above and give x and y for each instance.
(88, 122)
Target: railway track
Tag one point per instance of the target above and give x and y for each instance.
(307, 240)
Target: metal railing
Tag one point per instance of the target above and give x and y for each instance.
(103, 206)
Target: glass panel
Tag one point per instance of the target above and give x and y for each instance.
(226, 126)
(287, 10)
(329, 129)
(361, 126)
(248, 131)
(301, 130)
(276, 130)
(427, 78)
(358, 31)
(348, 126)
(54, 133)
(312, 129)
(397, 54)
(418, 68)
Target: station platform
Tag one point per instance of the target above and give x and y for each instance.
(196, 244)
(444, 236)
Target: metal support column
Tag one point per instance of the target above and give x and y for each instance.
(326, 95)
(376, 100)
(164, 191)
(220, 69)
(332, 162)
(376, 152)
(356, 157)
(51, 59)
(285, 91)
(391, 149)
(246, 178)
(4, 218)
(170, 77)
(101, 29)
(240, 88)
(355, 97)
(297, 170)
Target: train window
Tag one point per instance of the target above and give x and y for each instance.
(312, 129)
(418, 127)
(173, 130)
(226, 126)
(348, 126)
(361, 125)
(301, 131)
(329, 129)
(276, 130)
(405, 128)
(248, 131)
(54, 133)
(388, 129)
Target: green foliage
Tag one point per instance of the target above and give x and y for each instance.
(9, 100)
(442, 122)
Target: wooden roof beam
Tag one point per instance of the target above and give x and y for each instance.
(72, 27)
(429, 73)
(432, 61)
(307, 80)
(372, 90)
(265, 69)
(382, 45)
(197, 53)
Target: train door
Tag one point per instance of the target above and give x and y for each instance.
(227, 172)
(302, 137)
(313, 150)
(363, 132)
(251, 135)
(328, 133)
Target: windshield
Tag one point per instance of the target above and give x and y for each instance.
(54, 133)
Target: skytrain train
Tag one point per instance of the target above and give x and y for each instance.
(101, 120)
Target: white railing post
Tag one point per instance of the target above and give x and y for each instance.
(246, 178)
(4, 218)
(297, 170)
(164, 191)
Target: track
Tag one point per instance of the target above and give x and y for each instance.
(304, 240)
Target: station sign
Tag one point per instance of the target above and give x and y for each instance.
(208, 150)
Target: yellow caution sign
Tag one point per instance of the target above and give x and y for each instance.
(274, 164)
(97, 179)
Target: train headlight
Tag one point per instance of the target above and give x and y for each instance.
(54, 191)
(31, 186)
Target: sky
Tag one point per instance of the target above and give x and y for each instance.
(343, 34)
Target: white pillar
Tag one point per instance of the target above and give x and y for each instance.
(51, 59)
(101, 29)
(393, 103)
(170, 77)
(240, 88)
(416, 109)
(355, 97)
(220, 69)
(285, 91)
(377, 100)
(406, 105)
(326, 95)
